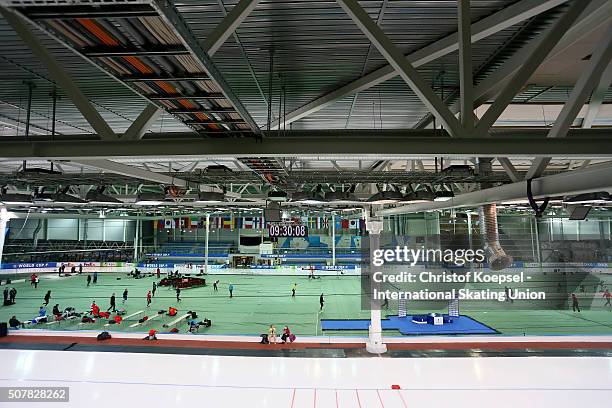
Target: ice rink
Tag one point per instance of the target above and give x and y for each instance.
(138, 380)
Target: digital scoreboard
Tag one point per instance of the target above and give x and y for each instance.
(288, 230)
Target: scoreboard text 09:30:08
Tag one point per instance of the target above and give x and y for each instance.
(288, 230)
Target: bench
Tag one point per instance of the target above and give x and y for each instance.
(128, 316)
(175, 321)
(146, 321)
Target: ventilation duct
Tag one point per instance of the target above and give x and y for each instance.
(496, 256)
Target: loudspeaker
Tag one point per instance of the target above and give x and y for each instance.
(3, 329)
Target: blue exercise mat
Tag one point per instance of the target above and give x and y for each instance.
(460, 325)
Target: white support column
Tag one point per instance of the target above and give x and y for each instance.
(333, 237)
(3, 222)
(85, 226)
(140, 238)
(206, 243)
(238, 228)
(375, 343)
(136, 240)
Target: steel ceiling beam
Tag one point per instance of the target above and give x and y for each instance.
(597, 98)
(142, 123)
(228, 25)
(131, 171)
(588, 80)
(60, 75)
(405, 69)
(379, 21)
(501, 20)
(595, 15)
(465, 66)
(510, 169)
(593, 178)
(528, 67)
(168, 12)
(590, 143)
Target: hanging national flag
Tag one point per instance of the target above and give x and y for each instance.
(227, 223)
(168, 223)
(325, 222)
(247, 223)
(345, 224)
(353, 223)
(186, 222)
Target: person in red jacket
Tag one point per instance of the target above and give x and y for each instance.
(148, 298)
(608, 296)
(95, 309)
(286, 334)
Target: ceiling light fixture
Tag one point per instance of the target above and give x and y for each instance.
(150, 199)
(597, 197)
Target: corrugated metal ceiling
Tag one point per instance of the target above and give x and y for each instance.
(316, 46)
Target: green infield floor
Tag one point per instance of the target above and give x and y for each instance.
(263, 300)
